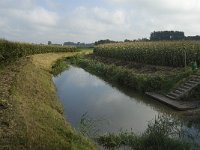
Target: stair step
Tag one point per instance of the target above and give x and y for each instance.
(182, 89)
(185, 87)
(196, 80)
(171, 97)
(192, 82)
(178, 91)
(189, 84)
(197, 76)
(175, 94)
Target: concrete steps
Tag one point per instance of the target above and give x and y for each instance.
(178, 105)
(184, 88)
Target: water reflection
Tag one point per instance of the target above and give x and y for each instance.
(82, 92)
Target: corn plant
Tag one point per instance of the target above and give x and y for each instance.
(165, 53)
(10, 51)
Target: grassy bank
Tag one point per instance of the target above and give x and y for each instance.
(132, 78)
(163, 133)
(31, 115)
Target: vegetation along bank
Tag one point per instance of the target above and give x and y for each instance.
(30, 111)
(137, 79)
(31, 116)
(145, 66)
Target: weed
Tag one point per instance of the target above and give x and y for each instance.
(163, 133)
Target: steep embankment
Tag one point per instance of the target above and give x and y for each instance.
(31, 116)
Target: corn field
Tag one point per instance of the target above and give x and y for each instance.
(10, 51)
(167, 53)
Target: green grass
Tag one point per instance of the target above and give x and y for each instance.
(34, 118)
(3, 103)
(130, 78)
(59, 66)
(162, 134)
(86, 49)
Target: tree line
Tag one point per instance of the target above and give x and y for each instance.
(171, 35)
(156, 36)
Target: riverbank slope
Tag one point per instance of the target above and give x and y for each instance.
(31, 116)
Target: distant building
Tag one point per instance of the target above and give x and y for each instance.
(49, 43)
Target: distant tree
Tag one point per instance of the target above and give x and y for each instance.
(126, 40)
(145, 39)
(104, 42)
(69, 43)
(49, 42)
(167, 35)
(79, 44)
(197, 37)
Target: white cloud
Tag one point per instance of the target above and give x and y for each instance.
(173, 5)
(163, 14)
(96, 23)
(27, 21)
(35, 16)
(116, 17)
(42, 17)
(19, 4)
(97, 18)
(40, 21)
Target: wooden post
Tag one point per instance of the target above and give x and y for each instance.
(185, 59)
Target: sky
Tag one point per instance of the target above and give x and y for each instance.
(39, 21)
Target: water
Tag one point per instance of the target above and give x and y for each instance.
(80, 93)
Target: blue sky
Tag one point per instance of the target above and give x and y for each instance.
(39, 21)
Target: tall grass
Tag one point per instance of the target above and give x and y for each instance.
(31, 114)
(59, 66)
(10, 51)
(167, 53)
(163, 133)
(129, 78)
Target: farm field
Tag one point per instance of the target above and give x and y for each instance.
(10, 51)
(99, 75)
(172, 54)
(28, 95)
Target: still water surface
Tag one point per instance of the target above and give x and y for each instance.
(80, 92)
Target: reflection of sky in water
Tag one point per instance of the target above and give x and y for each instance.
(82, 92)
